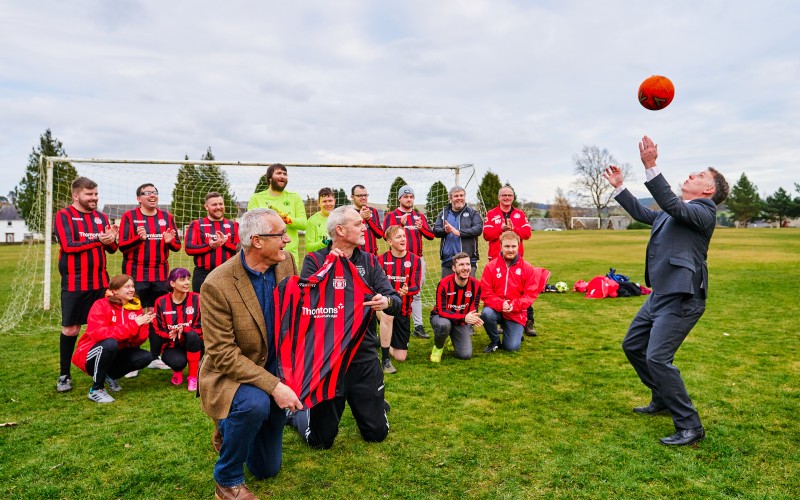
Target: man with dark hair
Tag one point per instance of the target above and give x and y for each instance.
(459, 227)
(288, 204)
(456, 311)
(504, 217)
(362, 386)
(416, 226)
(239, 387)
(146, 236)
(211, 240)
(84, 236)
(317, 227)
(676, 270)
(369, 215)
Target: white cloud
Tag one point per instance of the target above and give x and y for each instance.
(515, 87)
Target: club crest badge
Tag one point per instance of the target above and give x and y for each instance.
(190, 310)
(132, 315)
(98, 220)
(339, 283)
(162, 222)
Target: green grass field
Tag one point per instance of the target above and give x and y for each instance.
(553, 420)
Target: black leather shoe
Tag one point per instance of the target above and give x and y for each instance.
(491, 347)
(651, 409)
(684, 437)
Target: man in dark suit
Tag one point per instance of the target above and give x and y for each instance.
(238, 385)
(676, 270)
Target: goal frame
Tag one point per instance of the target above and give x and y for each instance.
(47, 162)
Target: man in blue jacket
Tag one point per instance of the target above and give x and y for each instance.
(676, 270)
(459, 227)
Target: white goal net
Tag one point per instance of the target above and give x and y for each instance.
(36, 283)
(585, 223)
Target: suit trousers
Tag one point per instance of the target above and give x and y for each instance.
(653, 338)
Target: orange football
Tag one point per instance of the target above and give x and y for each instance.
(656, 92)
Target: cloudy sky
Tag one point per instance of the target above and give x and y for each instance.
(518, 87)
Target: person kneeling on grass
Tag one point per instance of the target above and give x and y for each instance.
(509, 286)
(115, 329)
(404, 270)
(178, 322)
(456, 311)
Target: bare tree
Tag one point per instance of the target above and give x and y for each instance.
(590, 187)
(561, 209)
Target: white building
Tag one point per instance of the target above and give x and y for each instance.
(13, 228)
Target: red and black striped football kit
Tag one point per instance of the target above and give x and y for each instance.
(373, 232)
(201, 232)
(82, 258)
(320, 322)
(413, 235)
(146, 260)
(454, 302)
(403, 270)
(170, 315)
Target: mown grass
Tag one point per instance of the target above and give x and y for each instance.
(553, 420)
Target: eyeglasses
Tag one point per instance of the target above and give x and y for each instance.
(149, 193)
(361, 195)
(277, 235)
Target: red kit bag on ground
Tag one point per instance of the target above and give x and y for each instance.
(601, 287)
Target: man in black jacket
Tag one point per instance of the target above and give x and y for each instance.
(362, 386)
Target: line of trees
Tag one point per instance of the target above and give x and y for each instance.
(747, 206)
(744, 204)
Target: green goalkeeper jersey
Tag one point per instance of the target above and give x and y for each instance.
(288, 203)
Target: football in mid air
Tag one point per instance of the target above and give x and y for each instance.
(656, 92)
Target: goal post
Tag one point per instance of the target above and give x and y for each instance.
(117, 180)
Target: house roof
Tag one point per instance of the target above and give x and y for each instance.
(9, 212)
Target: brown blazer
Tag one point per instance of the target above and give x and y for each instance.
(235, 335)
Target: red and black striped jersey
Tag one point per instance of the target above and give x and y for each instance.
(454, 302)
(170, 316)
(403, 270)
(201, 232)
(373, 232)
(413, 234)
(82, 258)
(148, 259)
(320, 322)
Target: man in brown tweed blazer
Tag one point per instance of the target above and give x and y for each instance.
(237, 382)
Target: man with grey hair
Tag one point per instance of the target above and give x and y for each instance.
(238, 385)
(459, 227)
(362, 384)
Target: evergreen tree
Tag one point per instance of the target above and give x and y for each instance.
(744, 202)
(191, 187)
(341, 197)
(436, 201)
(30, 193)
(263, 184)
(391, 202)
(487, 190)
(780, 206)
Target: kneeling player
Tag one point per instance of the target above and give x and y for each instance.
(178, 323)
(403, 269)
(456, 310)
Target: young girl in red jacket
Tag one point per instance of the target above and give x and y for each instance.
(178, 321)
(115, 329)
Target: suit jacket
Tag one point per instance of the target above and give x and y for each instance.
(678, 246)
(235, 335)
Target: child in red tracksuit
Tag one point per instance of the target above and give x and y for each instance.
(115, 329)
(178, 322)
